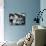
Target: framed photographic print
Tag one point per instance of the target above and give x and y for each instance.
(17, 19)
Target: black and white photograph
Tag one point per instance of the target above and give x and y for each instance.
(17, 19)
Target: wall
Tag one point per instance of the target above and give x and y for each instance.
(29, 7)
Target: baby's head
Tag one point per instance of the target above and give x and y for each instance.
(28, 36)
(28, 40)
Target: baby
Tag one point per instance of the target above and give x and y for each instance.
(28, 40)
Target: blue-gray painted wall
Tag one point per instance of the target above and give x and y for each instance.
(29, 7)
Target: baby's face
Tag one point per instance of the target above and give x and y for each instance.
(28, 35)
